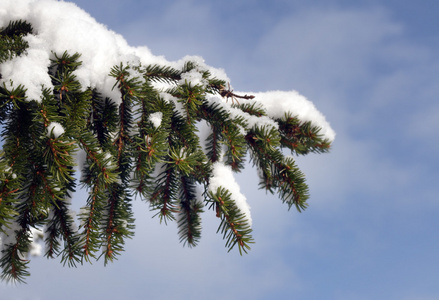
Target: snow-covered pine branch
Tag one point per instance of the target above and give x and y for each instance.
(75, 96)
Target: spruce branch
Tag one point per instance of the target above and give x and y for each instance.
(159, 73)
(228, 93)
(103, 119)
(91, 218)
(60, 226)
(16, 28)
(189, 215)
(11, 39)
(225, 131)
(145, 143)
(278, 173)
(234, 225)
(66, 62)
(13, 262)
(164, 196)
(301, 137)
(118, 221)
(9, 186)
(252, 109)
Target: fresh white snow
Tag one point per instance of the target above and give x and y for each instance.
(276, 103)
(222, 176)
(101, 49)
(156, 119)
(55, 128)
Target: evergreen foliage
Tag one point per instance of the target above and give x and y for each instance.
(128, 154)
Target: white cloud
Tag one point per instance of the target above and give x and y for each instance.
(333, 46)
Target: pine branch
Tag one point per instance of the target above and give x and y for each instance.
(91, 218)
(65, 63)
(161, 73)
(130, 90)
(11, 39)
(236, 147)
(12, 261)
(164, 195)
(182, 135)
(301, 137)
(291, 184)
(60, 226)
(214, 145)
(279, 173)
(228, 93)
(16, 28)
(98, 165)
(191, 97)
(189, 219)
(227, 131)
(252, 109)
(118, 221)
(9, 186)
(103, 119)
(152, 129)
(234, 224)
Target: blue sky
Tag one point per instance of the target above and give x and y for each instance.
(371, 231)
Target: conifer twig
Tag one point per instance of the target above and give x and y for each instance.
(228, 93)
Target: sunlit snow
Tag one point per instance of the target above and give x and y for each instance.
(156, 118)
(57, 31)
(55, 128)
(223, 177)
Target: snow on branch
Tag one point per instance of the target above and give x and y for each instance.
(75, 97)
